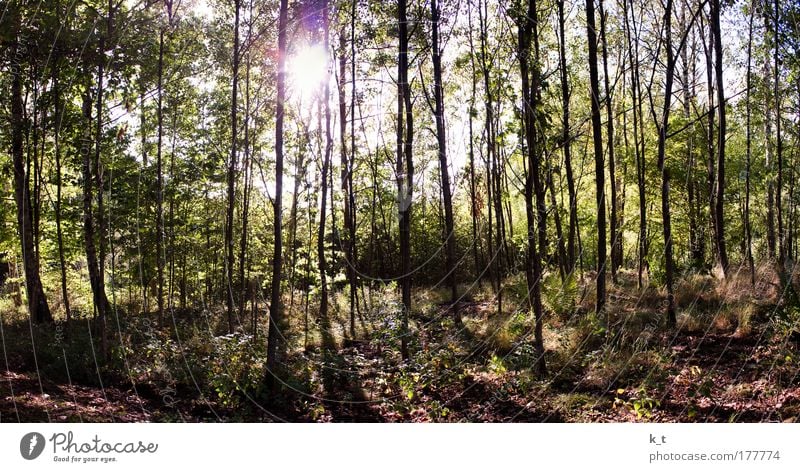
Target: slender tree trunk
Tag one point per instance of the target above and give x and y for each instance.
(143, 131)
(566, 140)
(711, 160)
(528, 27)
(695, 241)
(747, 227)
(474, 209)
(38, 307)
(538, 145)
(346, 176)
(353, 247)
(327, 337)
(405, 171)
(441, 138)
(99, 295)
(616, 230)
(663, 127)
(778, 138)
(104, 308)
(160, 183)
(231, 198)
(722, 253)
(599, 165)
(784, 246)
(638, 136)
(173, 188)
(768, 161)
(495, 245)
(246, 177)
(59, 232)
(277, 323)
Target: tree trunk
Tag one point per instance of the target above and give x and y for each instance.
(708, 45)
(616, 230)
(748, 104)
(38, 307)
(528, 32)
(441, 138)
(495, 245)
(346, 176)
(59, 232)
(695, 241)
(475, 211)
(231, 198)
(599, 166)
(722, 254)
(663, 127)
(566, 140)
(638, 137)
(277, 323)
(246, 178)
(160, 184)
(405, 172)
(98, 291)
(325, 328)
(104, 308)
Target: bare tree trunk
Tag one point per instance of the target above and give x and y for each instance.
(104, 308)
(59, 113)
(160, 184)
(722, 253)
(441, 138)
(708, 45)
(768, 162)
(474, 209)
(748, 104)
(405, 172)
(638, 136)
(662, 126)
(347, 162)
(566, 140)
(695, 241)
(277, 323)
(98, 291)
(533, 268)
(38, 307)
(231, 198)
(495, 248)
(599, 165)
(143, 131)
(783, 245)
(353, 247)
(616, 230)
(327, 338)
(246, 177)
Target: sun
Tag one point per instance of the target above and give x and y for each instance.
(307, 70)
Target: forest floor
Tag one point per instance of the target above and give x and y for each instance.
(733, 357)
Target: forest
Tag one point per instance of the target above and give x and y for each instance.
(399, 211)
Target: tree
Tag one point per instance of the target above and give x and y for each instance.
(599, 166)
(276, 316)
(566, 139)
(441, 139)
(616, 228)
(527, 30)
(326, 164)
(38, 308)
(404, 171)
(231, 196)
(749, 146)
(722, 254)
